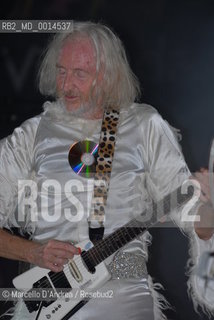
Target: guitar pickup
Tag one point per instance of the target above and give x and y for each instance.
(75, 271)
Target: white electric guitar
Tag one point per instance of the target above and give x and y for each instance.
(87, 271)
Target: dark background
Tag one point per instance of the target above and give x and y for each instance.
(170, 45)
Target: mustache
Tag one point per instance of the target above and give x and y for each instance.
(71, 93)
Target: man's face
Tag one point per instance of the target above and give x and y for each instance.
(76, 72)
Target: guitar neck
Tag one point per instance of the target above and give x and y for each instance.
(110, 244)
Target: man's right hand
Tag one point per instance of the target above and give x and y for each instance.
(53, 255)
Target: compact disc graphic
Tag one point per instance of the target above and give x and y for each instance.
(82, 158)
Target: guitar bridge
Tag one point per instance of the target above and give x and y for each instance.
(75, 271)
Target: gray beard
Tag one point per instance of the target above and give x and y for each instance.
(57, 110)
(83, 111)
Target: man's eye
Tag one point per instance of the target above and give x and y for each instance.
(81, 74)
(61, 71)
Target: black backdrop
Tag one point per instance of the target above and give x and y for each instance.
(170, 47)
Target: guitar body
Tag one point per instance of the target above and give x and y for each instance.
(75, 278)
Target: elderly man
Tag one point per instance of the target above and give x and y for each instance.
(86, 73)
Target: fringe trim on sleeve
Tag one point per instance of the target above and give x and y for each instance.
(194, 292)
(159, 301)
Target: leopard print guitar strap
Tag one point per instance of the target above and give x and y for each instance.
(103, 173)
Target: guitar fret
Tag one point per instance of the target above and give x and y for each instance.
(123, 233)
(97, 255)
(93, 255)
(117, 241)
(110, 245)
(104, 254)
(130, 232)
(108, 250)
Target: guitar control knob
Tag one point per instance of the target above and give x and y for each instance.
(48, 316)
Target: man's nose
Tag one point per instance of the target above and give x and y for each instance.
(69, 81)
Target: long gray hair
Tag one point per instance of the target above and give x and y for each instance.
(119, 86)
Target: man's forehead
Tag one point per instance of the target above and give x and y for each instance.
(79, 49)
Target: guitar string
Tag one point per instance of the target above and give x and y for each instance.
(116, 235)
(105, 246)
(99, 246)
(78, 260)
(66, 270)
(59, 276)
